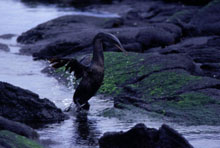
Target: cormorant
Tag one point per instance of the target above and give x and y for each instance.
(92, 75)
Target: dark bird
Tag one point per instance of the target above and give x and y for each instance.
(92, 75)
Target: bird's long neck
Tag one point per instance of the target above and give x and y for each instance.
(98, 56)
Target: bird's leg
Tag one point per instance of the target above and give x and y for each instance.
(69, 107)
(84, 106)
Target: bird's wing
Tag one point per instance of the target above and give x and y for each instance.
(70, 65)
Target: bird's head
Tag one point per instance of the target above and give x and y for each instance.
(110, 38)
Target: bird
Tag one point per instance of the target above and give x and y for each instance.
(91, 75)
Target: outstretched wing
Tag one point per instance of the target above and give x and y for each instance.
(70, 65)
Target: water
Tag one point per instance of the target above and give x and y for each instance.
(81, 130)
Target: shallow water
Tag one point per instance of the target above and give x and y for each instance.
(81, 130)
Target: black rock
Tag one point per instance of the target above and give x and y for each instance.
(190, 2)
(159, 35)
(203, 50)
(4, 47)
(22, 105)
(74, 34)
(169, 138)
(142, 137)
(18, 128)
(69, 2)
(7, 36)
(207, 19)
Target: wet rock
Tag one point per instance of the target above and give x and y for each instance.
(207, 19)
(63, 35)
(64, 25)
(9, 139)
(69, 2)
(18, 128)
(203, 50)
(4, 47)
(142, 137)
(74, 35)
(183, 15)
(142, 13)
(24, 106)
(7, 36)
(191, 2)
(197, 22)
(89, 2)
(169, 85)
(159, 35)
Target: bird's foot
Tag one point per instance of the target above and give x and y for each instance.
(81, 107)
(69, 108)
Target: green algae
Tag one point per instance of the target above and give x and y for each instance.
(194, 99)
(192, 108)
(121, 68)
(179, 15)
(160, 88)
(166, 83)
(16, 141)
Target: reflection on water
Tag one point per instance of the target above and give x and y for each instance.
(82, 130)
(86, 130)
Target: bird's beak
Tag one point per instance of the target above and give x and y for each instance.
(121, 48)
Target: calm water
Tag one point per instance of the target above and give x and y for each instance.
(81, 130)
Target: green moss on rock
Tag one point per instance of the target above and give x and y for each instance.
(16, 141)
(191, 108)
(161, 86)
(121, 68)
(165, 83)
(194, 99)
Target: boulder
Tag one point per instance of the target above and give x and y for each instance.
(204, 51)
(69, 2)
(24, 106)
(9, 139)
(7, 36)
(159, 35)
(74, 35)
(191, 2)
(142, 137)
(18, 128)
(170, 85)
(63, 36)
(4, 47)
(207, 20)
(199, 22)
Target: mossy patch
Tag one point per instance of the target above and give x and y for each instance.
(161, 88)
(182, 15)
(212, 3)
(121, 68)
(165, 83)
(190, 108)
(194, 99)
(16, 141)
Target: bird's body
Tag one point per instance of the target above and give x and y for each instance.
(92, 75)
(88, 86)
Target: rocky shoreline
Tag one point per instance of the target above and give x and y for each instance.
(178, 74)
(20, 108)
(140, 136)
(172, 68)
